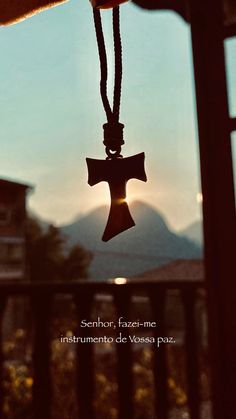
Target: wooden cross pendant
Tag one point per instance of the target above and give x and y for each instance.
(116, 172)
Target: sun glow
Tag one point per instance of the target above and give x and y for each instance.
(119, 281)
(199, 198)
(123, 200)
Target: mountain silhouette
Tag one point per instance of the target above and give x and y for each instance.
(194, 232)
(146, 246)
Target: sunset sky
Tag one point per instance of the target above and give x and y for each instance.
(51, 114)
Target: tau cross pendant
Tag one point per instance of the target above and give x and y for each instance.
(116, 172)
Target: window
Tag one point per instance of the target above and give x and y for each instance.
(5, 216)
(15, 253)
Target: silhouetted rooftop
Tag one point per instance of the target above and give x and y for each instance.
(180, 270)
(14, 184)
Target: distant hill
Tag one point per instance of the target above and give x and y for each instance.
(146, 246)
(194, 232)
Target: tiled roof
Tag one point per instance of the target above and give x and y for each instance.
(183, 269)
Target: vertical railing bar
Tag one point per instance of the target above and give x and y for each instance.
(41, 306)
(192, 364)
(232, 124)
(85, 359)
(230, 31)
(3, 302)
(122, 301)
(160, 368)
(217, 180)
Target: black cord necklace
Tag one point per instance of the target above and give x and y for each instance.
(115, 170)
(113, 130)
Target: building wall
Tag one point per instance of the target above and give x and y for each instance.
(12, 230)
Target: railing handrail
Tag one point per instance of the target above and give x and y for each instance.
(26, 287)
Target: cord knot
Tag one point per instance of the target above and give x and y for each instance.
(113, 135)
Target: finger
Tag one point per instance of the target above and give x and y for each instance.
(12, 11)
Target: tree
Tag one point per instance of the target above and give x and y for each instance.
(77, 262)
(47, 258)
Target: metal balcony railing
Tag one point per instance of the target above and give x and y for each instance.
(41, 299)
